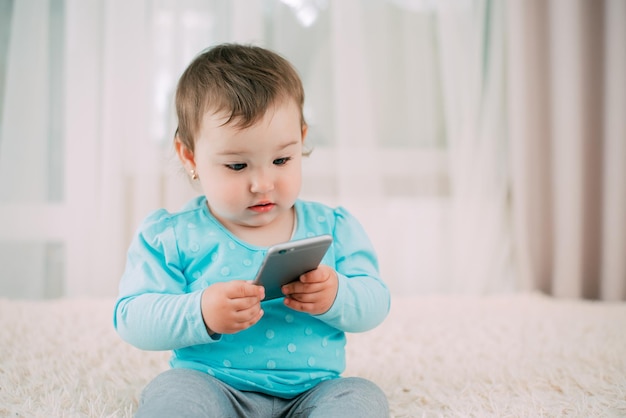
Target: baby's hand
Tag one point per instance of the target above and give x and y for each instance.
(231, 307)
(314, 293)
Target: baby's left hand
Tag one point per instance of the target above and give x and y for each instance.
(314, 293)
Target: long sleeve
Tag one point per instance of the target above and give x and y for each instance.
(363, 300)
(155, 310)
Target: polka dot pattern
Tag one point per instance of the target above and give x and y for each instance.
(298, 342)
(287, 351)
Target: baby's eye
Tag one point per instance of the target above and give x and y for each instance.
(281, 161)
(236, 166)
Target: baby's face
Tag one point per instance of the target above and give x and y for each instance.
(251, 177)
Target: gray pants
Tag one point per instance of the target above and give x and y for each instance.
(190, 393)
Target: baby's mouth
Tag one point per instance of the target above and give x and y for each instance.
(262, 207)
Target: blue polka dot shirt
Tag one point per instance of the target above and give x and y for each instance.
(175, 256)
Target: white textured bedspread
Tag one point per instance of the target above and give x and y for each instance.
(522, 355)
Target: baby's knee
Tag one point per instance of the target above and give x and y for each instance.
(369, 393)
(351, 397)
(181, 392)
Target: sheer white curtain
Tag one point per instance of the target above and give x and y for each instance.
(473, 56)
(403, 101)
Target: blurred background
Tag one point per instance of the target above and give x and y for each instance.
(482, 143)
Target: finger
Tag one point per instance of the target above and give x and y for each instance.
(241, 289)
(242, 305)
(299, 305)
(314, 276)
(248, 316)
(301, 288)
(306, 297)
(253, 320)
(242, 323)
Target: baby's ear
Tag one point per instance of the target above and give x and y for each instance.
(305, 130)
(306, 150)
(185, 154)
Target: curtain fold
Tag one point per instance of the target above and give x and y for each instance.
(472, 61)
(6, 13)
(613, 259)
(566, 78)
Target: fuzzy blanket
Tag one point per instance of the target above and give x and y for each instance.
(520, 355)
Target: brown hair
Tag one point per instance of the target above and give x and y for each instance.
(242, 80)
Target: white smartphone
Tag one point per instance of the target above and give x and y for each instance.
(285, 262)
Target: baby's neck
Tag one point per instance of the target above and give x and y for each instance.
(281, 230)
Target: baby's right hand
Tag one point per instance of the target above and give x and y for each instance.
(231, 307)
